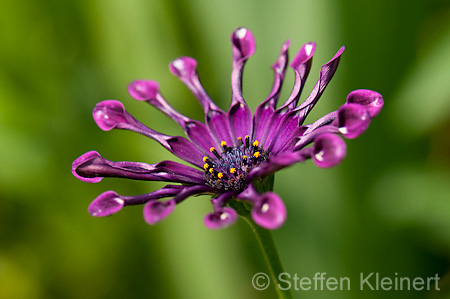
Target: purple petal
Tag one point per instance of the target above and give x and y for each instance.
(84, 159)
(353, 120)
(106, 204)
(185, 68)
(328, 150)
(277, 163)
(155, 211)
(109, 114)
(265, 111)
(240, 119)
(112, 114)
(243, 44)
(193, 190)
(91, 167)
(221, 218)
(219, 127)
(166, 191)
(143, 90)
(372, 100)
(301, 64)
(216, 119)
(197, 132)
(326, 74)
(269, 211)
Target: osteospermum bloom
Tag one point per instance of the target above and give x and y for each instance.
(232, 151)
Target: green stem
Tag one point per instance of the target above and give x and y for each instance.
(265, 239)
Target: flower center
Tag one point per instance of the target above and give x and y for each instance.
(228, 170)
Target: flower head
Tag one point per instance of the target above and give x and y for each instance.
(233, 150)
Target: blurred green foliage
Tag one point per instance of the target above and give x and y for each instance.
(384, 209)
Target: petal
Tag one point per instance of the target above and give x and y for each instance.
(193, 190)
(328, 150)
(372, 100)
(185, 68)
(269, 211)
(243, 44)
(155, 211)
(83, 159)
(91, 167)
(221, 218)
(301, 64)
(264, 112)
(243, 47)
(240, 119)
(277, 163)
(216, 119)
(166, 191)
(326, 74)
(106, 204)
(143, 90)
(111, 114)
(353, 120)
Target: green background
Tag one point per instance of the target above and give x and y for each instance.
(384, 209)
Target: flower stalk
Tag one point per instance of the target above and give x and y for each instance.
(264, 238)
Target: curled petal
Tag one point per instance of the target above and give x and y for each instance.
(265, 111)
(269, 211)
(86, 159)
(326, 74)
(110, 114)
(143, 90)
(328, 150)
(155, 211)
(184, 67)
(301, 64)
(106, 204)
(221, 218)
(353, 120)
(372, 100)
(243, 44)
(278, 162)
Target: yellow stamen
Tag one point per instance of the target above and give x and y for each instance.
(205, 159)
(233, 170)
(220, 175)
(211, 170)
(256, 155)
(206, 166)
(223, 143)
(255, 143)
(212, 149)
(244, 157)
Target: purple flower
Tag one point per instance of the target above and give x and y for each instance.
(232, 151)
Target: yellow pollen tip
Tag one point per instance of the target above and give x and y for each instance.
(223, 143)
(212, 149)
(244, 157)
(206, 166)
(233, 170)
(256, 155)
(205, 159)
(239, 138)
(211, 170)
(220, 175)
(247, 137)
(255, 143)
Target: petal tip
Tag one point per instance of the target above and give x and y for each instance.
(106, 204)
(269, 211)
(221, 218)
(143, 90)
(155, 211)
